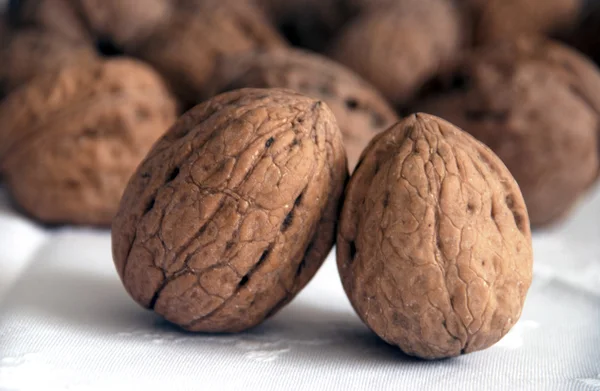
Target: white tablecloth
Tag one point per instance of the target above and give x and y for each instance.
(67, 323)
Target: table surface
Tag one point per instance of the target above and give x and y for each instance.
(67, 323)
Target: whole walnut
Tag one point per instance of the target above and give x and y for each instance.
(434, 247)
(536, 104)
(121, 24)
(398, 49)
(360, 110)
(186, 49)
(499, 20)
(70, 139)
(233, 210)
(28, 53)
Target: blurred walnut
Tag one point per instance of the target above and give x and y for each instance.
(233, 211)
(360, 110)
(434, 247)
(185, 51)
(400, 48)
(70, 140)
(28, 53)
(537, 105)
(498, 20)
(120, 24)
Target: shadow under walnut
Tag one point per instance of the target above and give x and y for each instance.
(70, 139)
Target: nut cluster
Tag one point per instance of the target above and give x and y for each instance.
(219, 218)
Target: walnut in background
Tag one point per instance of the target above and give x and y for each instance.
(537, 105)
(70, 139)
(360, 111)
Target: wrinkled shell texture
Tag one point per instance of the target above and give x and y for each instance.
(233, 211)
(69, 141)
(434, 248)
(186, 49)
(537, 105)
(360, 111)
(498, 20)
(29, 53)
(399, 49)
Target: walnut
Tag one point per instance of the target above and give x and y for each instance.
(70, 140)
(434, 247)
(499, 20)
(233, 211)
(536, 104)
(399, 49)
(186, 49)
(360, 110)
(56, 16)
(117, 23)
(32, 52)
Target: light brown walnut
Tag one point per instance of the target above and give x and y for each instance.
(434, 246)
(233, 210)
(70, 140)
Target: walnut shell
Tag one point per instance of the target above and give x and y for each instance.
(186, 49)
(499, 20)
(400, 48)
(233, 211)
(536, 104)
(70, 140)
(32, 52)
(434, 247)
(360, 110)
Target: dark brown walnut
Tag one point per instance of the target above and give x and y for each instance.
(70, 140)
(498, 20)
(434, 247)
(585, 35)
(537, 105)
(186, 49)
(233, 210)
(28, 53)
(360, 110)
(400, 48)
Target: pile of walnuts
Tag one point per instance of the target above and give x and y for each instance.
(219, 218)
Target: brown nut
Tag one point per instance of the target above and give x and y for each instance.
(70, 140)
(360, 110)
(499, 20)
(434, 247)
(309, 23)
(233, 211)
(120, 24)
(537, 105)
(186, 49)
(32, 52)
(398, 49)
